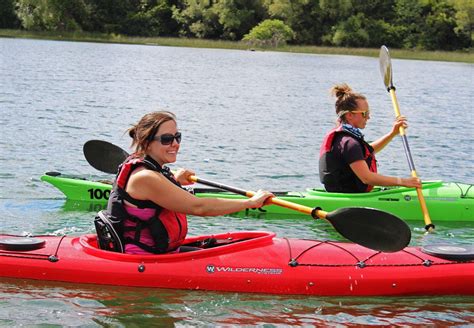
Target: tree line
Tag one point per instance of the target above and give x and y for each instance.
(406, 24)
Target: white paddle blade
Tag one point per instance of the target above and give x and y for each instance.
(385, 67)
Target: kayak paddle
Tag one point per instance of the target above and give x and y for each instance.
(104, 156)
(368, 227)
(386, 70)
(365, 226)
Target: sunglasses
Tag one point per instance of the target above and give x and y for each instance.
(364, 113)
(167, 139)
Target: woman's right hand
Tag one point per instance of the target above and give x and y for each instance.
(259, 199)
(400, 121)
(411, 182)
(183, 176)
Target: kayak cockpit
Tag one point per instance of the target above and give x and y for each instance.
(210, 245)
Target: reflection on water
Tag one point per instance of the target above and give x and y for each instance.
(84, 305)
(249, 119)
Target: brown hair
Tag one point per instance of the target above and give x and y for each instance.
(143, 132)
(346, 99)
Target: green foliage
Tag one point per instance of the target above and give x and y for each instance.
(351, 32)
(375, 9)
(336, 10)
(151, 18)
(197, 19)
(270, 32)
(8, 18)
(32, 14)
(409, 18)
(440, 29)
(303, 16)
(237, 17)
(464, 19)
(226, 19)
(408, 24)
(52, 15)
(428, 24)
(110, 16)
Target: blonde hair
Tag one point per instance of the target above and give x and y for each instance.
(142, 133)
(346, 99)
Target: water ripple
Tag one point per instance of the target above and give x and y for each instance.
(249, 119)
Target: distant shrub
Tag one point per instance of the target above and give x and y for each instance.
(270, 32)
(351, 33)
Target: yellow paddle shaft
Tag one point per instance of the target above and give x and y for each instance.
(276, 201)
(421, 198)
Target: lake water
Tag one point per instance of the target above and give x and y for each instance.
(249, 119)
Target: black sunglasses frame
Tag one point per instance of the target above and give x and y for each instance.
(167, 138)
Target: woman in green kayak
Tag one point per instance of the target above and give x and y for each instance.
(147, 200)
(346, 161)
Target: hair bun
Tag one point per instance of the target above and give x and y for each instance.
(341, 90)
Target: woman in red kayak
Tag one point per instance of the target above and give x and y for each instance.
(147, 198)
(346, 161)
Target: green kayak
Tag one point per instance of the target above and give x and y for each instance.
(446, 201)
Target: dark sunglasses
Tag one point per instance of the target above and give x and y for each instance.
(167, 139)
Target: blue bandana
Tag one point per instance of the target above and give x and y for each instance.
(352, 130)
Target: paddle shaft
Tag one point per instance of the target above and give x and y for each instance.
(276, 201)
(368, 227)
(426, 217)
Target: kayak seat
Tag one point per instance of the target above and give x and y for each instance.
(203, 243)
(107, 237)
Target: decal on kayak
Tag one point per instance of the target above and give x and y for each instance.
(211, 268)
(98, 194)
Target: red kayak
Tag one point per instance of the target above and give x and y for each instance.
(254, 262)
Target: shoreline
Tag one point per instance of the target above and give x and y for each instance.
(466, 56)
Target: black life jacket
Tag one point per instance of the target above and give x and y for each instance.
(167, 228)
(336, 175)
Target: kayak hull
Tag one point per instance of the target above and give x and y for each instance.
(446, 201)
(249, 262)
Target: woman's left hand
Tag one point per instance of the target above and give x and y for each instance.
(183, 176)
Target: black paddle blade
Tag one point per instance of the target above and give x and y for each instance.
(104, 156)
(386, 67)
(371, 228)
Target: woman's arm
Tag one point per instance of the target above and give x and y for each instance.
(380, 143)
(362, 171)
(149, 185)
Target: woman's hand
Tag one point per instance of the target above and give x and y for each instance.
(183, 176)
(260, 198)
(401, 121)
(410, 182)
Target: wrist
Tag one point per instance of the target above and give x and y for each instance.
(250, 203)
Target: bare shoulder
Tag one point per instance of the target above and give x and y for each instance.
(146, 176)
(146, 184)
